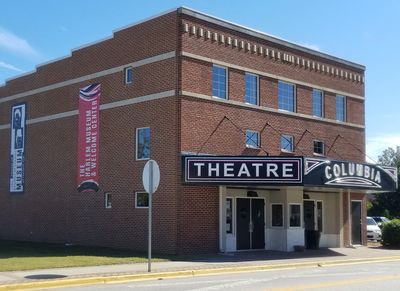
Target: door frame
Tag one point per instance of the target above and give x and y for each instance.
(351, 221)
(315, 216)
(235, 220)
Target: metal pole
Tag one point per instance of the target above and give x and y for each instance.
(150, 202)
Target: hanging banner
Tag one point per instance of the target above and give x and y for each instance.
(88, 138)
(17, 154)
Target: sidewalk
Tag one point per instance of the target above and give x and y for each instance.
(231, 262)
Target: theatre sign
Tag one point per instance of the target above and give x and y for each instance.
(289, 171)
(243, 170)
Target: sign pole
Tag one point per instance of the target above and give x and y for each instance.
(150, 208)
(151, 180)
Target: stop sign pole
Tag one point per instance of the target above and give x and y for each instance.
(151, 180)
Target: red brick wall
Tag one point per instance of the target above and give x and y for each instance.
(234, 55)
(185, 218)
(147, 39)
(198, 73)
(198, 220)
(51, 209)
(201, 117)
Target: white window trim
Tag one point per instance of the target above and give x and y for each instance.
(258, 89)
(259, 140)
(137, 142)
(283, 216)
(287, 151)
(301, 216)
(126, 75)
(233, 233)
(106, 200)
(136, 205)
(226, 82)
(323, 148)
(294, 96)
(322, 104)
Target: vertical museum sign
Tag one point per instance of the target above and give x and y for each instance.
(17, 153)
(88, 138)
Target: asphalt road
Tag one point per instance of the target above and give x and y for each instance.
(371, 276)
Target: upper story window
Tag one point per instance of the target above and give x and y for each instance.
(219, 82)
(252, 139)
(319, 147)
(287, 143)
(340, 108)
(286, 96)
(318, 103)
(129, 75)
(143, 143)
(251, 89)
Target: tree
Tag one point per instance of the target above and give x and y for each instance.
(387, 204)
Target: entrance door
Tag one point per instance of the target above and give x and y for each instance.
(243, 223)
(309, 215)
(250, 223)
(356, 222)
(257, 217)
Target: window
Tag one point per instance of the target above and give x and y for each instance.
(318, 103)
(252, 139)
(340, 108)
(107, 200)
(219, 82)
(319, 147)
(251, 89)
(143, 143)
(128, 75)
(287, 143)
(295, 215)
(229, 221)
(142, 200)
(286, 97)
(277, 215)
(319, 216)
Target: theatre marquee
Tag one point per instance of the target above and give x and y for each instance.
(243, 170)
(287, 171)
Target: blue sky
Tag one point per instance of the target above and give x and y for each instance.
(363, 31)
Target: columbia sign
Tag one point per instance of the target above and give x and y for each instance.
(349, 174)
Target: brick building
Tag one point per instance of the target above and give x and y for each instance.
(186, 84)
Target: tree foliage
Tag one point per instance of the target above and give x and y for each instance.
(387, 204)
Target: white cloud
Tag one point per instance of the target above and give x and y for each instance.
(311, 46)
(377, 144)
(10, 67)
(14, 43)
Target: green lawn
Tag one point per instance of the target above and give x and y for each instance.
(16, 256)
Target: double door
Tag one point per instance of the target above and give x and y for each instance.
(250, 223)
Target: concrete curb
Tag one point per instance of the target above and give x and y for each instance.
(69, 282)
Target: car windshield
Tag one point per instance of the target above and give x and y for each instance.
(371, 221)
(377, 219)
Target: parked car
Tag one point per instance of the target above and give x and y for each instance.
(380, 220)
(373, 230)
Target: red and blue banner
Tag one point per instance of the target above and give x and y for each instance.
(88, 138)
